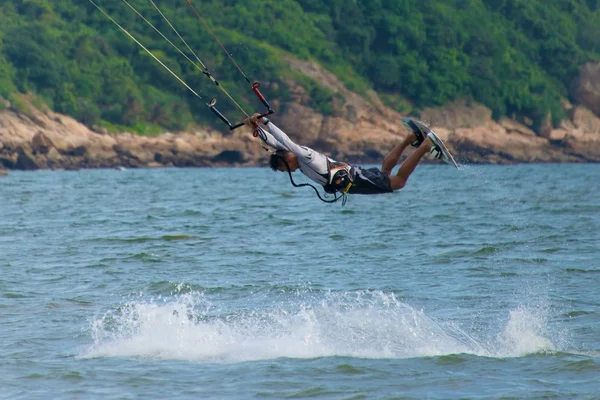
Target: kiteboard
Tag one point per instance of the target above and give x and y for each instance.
(412, 125)
(447, 156)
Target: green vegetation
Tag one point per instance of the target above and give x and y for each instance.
(518, 57)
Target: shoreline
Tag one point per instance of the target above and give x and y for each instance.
(47, 140)
(7, 172)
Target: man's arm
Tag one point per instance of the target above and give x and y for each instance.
(263, 132)
(276, 138)
(269, 140)
(288, 144)
(312, 163)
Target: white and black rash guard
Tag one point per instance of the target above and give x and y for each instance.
(316, 166)
(312, 163)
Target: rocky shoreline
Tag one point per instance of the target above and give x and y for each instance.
(53, 141)
(359, 131)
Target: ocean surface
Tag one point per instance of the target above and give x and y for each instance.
(479, 283)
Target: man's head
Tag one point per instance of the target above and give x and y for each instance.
(280, 158)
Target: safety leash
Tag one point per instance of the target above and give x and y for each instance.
(343, 196)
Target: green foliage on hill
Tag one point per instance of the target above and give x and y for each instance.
(516, 56)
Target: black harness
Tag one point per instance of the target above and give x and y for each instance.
(340, 179)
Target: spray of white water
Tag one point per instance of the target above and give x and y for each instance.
(356, 324)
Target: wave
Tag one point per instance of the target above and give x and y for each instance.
(364, 324)
(169, 288)
(145, 239)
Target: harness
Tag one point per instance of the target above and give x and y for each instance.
(340, 179)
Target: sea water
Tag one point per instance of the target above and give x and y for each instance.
(232, 284)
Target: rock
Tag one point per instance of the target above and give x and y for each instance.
(182, 146)
(566, 124)
(53, 156)
(459, 114)
(515, 127)
(76, 151)
(229, 157)
(26, 161)
(493, 143)
(3, 172)
(41, 144)
(558, 134)
(122, 151)
(585, 150)
(586, 88)
(327, 145)
(546, 126)
(527, 121)
(74, 146)
(132, 150)
(99, 129)
(373, 155)
(586, 121)
(349, 105)
(303, 123)
(101, 159)
(8, 160)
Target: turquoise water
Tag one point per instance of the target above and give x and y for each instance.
(229, 283)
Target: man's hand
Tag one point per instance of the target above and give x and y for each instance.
(252, 121)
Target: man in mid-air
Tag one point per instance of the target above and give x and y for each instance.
(343, 178)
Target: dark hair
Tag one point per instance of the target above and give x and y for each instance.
(277, 159)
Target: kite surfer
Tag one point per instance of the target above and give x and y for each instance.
(343, 178)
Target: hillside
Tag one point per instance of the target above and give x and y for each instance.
(517, 57)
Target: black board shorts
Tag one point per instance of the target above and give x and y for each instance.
(370, 181)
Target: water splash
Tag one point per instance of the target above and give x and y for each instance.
(524, 332)
(362, 324)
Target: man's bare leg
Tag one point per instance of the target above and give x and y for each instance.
(390, 161)
(399, 180)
